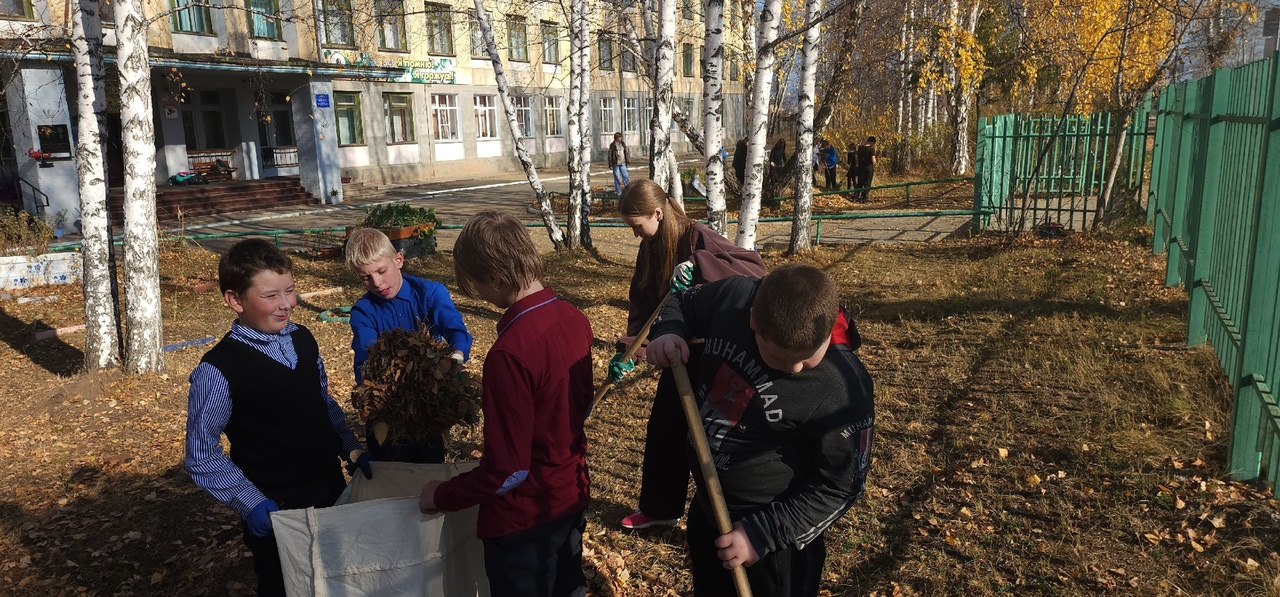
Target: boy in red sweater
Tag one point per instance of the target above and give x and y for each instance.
(531, 484)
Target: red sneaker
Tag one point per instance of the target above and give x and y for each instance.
(638, 520)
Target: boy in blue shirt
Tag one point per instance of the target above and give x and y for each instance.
(264, 386)
(397, 301)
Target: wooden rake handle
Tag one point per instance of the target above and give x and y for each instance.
(710, 480)
(631, 351)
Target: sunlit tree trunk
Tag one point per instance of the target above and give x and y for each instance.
(583, 29)
(101, 345)
(577, 129)
(747, 11)
(804, 134)
(522, 154)
(143, 342)
(758, 126)
(664, 76)
(961, 83)
(712, 123)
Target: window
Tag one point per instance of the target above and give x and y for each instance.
(733, 66)
(22, 8)
(702, 61)
(444, 116)
(605, 49)
(347, 110)
(264, 18)
(630, 114)
(517, 39)
(550, 43)
(628, 61)
(477, 37)
(337, 23)
(399, 111)
(608, 114)
(439, 29)
(686, 8)
(686, 57)
(524, 114)
(686, 107)
(1271, 22)
(553, 116)
(646, 117)
(193, 19)
(391, 35)
(486, 117)
(275, 121)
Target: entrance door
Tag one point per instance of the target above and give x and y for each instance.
(202, 123)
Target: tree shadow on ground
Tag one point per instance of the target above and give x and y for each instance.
(53, 354)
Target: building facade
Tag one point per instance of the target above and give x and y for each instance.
(372, 91)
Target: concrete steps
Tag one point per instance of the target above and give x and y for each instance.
(219, 198)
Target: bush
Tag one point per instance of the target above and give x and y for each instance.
(400, 215)
(21, 234)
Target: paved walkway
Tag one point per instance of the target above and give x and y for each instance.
(456, 201)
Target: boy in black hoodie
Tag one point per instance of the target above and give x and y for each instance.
(789, 418)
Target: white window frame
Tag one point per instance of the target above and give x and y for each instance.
(445, 117)
(608, 115)
(524, 115)
(630, 115)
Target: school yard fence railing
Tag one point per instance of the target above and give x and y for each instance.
(1214, 205)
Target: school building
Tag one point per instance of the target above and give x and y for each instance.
(336, 91)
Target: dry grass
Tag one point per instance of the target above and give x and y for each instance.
(1041, 429)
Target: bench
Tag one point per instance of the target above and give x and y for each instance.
(202, 161)
(206, 168)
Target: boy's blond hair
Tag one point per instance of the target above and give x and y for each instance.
(366, 245)
(795, 307)
(495, 246)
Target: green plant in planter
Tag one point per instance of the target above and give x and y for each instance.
(399, 215)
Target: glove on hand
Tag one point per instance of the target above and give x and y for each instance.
(362, 462)
(682, 277)
(259, 519)
(618, 367)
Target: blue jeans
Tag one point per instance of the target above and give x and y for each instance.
(620, 178)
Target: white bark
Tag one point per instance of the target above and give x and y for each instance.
(758, 127)
(143, 343)
(664, 76)
(960, 95)
(676, 190)
(101, 346)
(526, 162)
(579, 197)
(747, 8)
(803, 210)
(712, 123)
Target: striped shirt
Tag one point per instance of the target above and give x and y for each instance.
(209, 410)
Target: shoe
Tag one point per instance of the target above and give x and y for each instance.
(638, 520)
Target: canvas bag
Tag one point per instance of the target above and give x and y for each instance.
(376, 542)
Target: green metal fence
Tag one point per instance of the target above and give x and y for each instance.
(1215, 205)
(1035, 169)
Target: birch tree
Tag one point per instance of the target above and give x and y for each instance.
(101, 345)
(141, 266)
(580, 53)
(664, 76)
(712, 123)
(579, 194)
(758, 126)
(804, 135)
(509, 108)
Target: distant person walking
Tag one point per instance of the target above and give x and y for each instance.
(777, 159)
(740, 161)
(829, 161)
(866, 168)
(618, 164)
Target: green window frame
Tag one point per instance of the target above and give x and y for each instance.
(338, 28)
(262, 26)
(477, 36)
(550, 42)
(605, 50)
(398, 108)
(190, 19)
(17, 8)
(687, 59)
(391, 31)
(439, 30)
(346, 107)
(517, 39)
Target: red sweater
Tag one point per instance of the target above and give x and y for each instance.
(537, 388)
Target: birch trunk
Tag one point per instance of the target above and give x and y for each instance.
(581, 24)
(664, 76)
(712, 123)
(143, 342)
(758, 127)
(748, 13)
(961, 95)
(574, 134)
(526, 162)
(804, 135)
(676, 188)
(101, 344)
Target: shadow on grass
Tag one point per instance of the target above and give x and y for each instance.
(52, 354)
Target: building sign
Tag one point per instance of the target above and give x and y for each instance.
(440, 71)
(170, 112)
(55, 140)
(322, 100)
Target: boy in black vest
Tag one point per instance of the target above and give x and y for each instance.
(265, 387)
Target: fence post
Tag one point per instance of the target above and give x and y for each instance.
(1176, 203)
(1202, 198)
(979, 171)
(1258, 328)
(1157, 172)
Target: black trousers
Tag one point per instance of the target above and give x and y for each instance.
(864, 182)
(266, 557)
(543, 561)
(664, 475)
(788, 572)
(850, 176)
(428, 451)
(831, 177)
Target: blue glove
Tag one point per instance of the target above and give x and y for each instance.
(618, 367)
(259, 519)
(362, 463)
(682, 278)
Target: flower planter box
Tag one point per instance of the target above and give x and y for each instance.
(27, 271)
(405, 232)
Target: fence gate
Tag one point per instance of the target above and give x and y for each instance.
(1036, 169)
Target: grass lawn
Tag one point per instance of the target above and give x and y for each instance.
(1041, 428)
